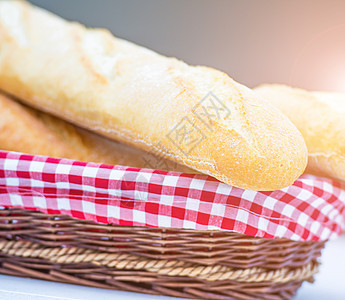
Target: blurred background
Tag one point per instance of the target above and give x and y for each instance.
(297, 42)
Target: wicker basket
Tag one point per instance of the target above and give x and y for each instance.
(180, 263)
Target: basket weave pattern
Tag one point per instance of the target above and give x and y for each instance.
(181, 263)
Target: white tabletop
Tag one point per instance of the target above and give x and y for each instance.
(329, 284)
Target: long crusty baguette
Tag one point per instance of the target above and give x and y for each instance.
(134, 95)
(30, 131)
(320, 117)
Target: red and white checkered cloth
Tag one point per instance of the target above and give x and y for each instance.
(310, 209)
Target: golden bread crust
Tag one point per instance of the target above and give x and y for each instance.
(26, 130)
(131, 94)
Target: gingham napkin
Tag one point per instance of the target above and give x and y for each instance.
(311, 209)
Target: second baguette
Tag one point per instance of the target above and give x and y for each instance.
(320, 117)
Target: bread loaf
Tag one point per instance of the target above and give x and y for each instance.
(194, 115)
(30, 131)
(320, 117)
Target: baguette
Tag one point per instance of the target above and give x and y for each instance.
(30, 131)
(194, 115)
(320, 117)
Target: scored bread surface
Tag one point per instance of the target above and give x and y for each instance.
(134, 95)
